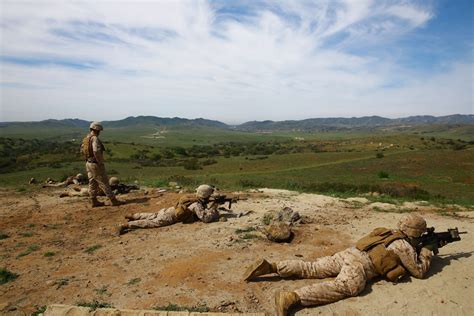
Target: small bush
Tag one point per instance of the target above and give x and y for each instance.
(39, 311)
(49, 254)
(102, 290)
(379, 155)
(177, 308)
(92, 249)
(28, 250)
(208, 162)
(134, 281)
(244, 230)
(249, 236)
(61, 282)
(383, 175)
(7, 276)
(3, 236)
(94, 304)
(192, 164)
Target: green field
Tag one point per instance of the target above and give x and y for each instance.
(332, 163)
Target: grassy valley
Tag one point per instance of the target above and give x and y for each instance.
(412, 164)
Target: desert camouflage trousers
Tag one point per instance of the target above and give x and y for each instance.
(164, 217)
(351, 267)
(98, 179)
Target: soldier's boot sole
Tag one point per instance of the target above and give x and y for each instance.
(122, 229)
(261, 267)
(284, 301)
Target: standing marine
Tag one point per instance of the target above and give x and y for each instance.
(93, 151)
(383, 252)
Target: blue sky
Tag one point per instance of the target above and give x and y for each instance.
(235, 60)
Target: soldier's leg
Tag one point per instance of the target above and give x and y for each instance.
(141, 223)
(93, 184)
(103, 182)
(164, 217)
(350, 282)
(323, 267)
(137, 216)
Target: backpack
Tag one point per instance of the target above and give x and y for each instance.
(386, 262)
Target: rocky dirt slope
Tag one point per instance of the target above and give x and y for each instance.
(65, 252)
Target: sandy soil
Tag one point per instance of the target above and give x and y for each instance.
(202, 264)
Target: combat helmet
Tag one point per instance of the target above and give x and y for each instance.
(114, 181)
(79, 176)
(97, 126)
(204, 191)
(412, 225)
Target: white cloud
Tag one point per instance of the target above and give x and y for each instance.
(181, 58)
(410, 13)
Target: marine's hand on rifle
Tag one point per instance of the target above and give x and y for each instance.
(432, 247)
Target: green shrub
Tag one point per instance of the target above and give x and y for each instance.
(92, 249)
(192, 164)
(94, 304)
(383, 175)
(7, 276)
(39, 311)
(177, 308)
(28, 250)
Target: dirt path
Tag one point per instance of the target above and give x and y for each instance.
(202, 264)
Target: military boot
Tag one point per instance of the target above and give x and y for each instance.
(122, 229)
(116, 202)
(261, 267)
(96, 203)
(284, 300)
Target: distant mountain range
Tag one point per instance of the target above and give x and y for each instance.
(313, 124)
(355, 122)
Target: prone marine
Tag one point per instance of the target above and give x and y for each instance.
(384, 252)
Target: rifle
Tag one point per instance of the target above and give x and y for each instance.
(436, 240)
(222, 199)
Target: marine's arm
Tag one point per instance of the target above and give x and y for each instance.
(416, 264)
(97, 149)
(205, 214)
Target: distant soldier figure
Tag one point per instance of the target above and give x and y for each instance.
(121, 188)
(115, 185)
(384, 252)
(77, 179)
(93, 149)
(189, 209)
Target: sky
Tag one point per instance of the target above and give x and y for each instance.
(235, 61)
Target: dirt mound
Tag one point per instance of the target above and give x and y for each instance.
(65, 253)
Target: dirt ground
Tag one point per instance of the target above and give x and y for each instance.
(202, 264)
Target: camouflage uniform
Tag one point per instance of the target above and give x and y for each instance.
(167, 216)
(78, 179)
(352, 269)
(96, 171)
(383, 252)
